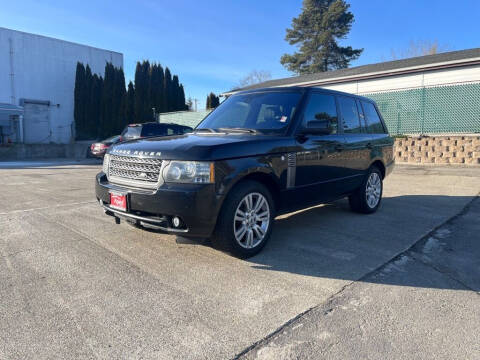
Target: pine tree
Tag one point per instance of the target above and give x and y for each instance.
(130, 104)
(160, 103)
(142, 112)
(212, 101)
(119, 102)
(89, 130)
(183, 105)
(176, 94)
(209, 102)
(316, 32)
(79, 101)
(96, 104)
(169, 100)
(107, 120)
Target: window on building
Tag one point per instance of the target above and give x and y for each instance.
(350, 115)
(322, 107)
(374, 124)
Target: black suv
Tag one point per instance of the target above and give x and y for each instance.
(259, 154)
(136, 131)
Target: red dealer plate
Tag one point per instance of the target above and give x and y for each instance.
(118, 201)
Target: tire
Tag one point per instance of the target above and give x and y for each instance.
(258, 223)
(367, 198)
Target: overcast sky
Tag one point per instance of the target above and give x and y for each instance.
(212, 44)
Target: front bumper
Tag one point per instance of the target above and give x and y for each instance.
(197, 205)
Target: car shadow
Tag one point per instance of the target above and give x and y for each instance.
(330, 241)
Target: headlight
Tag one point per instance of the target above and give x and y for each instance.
(106, 161)
(198, 172)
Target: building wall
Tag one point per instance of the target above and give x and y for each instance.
(455, 150)
(44, 70)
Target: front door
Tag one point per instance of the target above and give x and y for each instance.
(319, 157)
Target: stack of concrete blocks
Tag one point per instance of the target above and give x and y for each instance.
(458, 149)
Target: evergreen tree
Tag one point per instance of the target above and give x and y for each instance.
(212, 101)
(189, 104)
(79, 101)
(106, 128)
(89, 130)
(119, 102)
(130, 104)
(183, 105)
(96, 105)
(160, 101)
(316, 32)
(169, 97)
(176, 94)
(142, 113)
(215, 101)
(208, 105)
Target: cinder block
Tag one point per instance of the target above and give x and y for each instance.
(442, 160)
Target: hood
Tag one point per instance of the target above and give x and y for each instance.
(204, 146)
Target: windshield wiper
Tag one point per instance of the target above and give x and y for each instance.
(242, 130)
(205, 130)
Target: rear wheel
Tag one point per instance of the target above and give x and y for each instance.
(368, 196)
(245, 221)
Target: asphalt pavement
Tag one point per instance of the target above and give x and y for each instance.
(75, 285)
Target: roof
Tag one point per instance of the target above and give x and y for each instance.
(57, 39)
(446, 59)
(10, 109)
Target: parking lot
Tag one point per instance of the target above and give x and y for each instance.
(75, 285)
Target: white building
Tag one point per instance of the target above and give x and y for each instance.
(37, 80)
(433, 94)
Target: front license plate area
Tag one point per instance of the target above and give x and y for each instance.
(118, 201)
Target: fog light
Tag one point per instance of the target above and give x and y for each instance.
(176, 221)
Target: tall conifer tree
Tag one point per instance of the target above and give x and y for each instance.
(316, 32)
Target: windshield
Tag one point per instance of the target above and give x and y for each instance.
(131, 132)
(266, 112)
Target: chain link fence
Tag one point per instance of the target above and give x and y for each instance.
(452, 109)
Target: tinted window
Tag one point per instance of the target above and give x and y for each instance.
(153, 130)
(267, 112)
(322, 107)
(374, 124)
(350, 118)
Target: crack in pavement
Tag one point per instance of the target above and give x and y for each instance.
(406, 252)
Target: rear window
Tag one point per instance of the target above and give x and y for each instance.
(374, 124)
(153, 130)
(350, 115)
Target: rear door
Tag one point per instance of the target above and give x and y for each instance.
(358, 143)
(380, 139)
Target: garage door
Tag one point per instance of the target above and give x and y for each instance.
(36, 123)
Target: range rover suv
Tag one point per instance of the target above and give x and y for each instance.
(259, 154)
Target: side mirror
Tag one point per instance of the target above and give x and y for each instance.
(318, 127)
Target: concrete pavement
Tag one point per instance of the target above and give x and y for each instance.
(77, 285)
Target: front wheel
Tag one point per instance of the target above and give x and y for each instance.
(246, 219)
(368, 196)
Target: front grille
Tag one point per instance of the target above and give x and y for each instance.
(129, 170)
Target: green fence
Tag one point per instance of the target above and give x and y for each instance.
(436, 110)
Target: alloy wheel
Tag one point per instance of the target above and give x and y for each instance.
(373, 190)
(251, 221)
